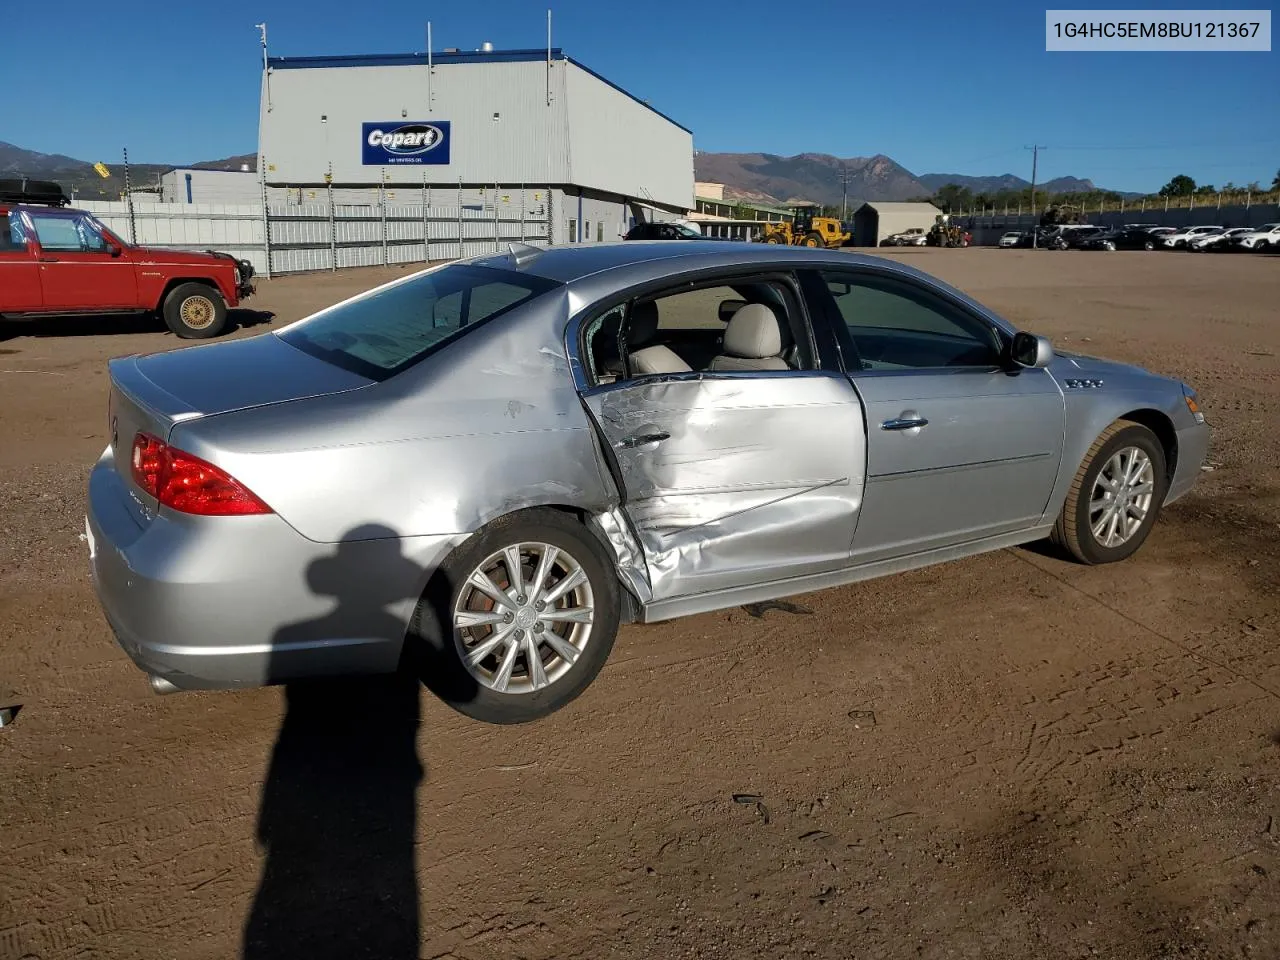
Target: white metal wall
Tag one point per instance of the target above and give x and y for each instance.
(598, 218)
(211, 186)
(591, 134)
(620, 146)
(527, 143)
(310, 236)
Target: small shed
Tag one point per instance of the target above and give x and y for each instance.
(875, 220)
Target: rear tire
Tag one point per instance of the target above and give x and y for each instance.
(1148, 245)
(195, 311)
(1122, 445)
(507, 684)
(813, 240)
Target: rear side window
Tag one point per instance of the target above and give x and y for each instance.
(379, 335)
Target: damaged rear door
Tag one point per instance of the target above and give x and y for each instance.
(736, 478)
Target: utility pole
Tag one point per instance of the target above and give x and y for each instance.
(1035, 156)
(845, 177)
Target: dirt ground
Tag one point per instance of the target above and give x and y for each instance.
(1006, 757)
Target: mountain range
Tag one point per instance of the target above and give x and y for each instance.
(766, 177)
(762, 177)
(78, 177)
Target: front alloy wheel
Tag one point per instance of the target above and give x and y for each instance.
(1115, 497)
(1121, 497)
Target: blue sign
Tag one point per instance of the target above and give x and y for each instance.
(405, 141)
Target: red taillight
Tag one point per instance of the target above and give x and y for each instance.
(184, 482)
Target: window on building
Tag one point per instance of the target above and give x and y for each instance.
(599, 231)
(572, 236)
(586, 231)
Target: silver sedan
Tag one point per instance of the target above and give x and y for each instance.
(480, 470)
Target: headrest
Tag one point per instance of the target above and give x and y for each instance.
(755, 332)
(644, 323)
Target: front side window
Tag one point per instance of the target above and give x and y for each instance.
(700, 331)
(390, 329)
(74, 234)
(897, 324)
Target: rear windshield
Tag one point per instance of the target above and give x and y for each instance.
(379, 335)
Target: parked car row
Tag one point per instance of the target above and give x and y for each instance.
(1142, 236)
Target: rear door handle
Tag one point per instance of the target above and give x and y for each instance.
(642, 439)
(904, 423)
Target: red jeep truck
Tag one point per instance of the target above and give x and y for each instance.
(57, 261)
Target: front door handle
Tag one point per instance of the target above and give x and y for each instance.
(904, 423)
(50, 260)
(642, 439)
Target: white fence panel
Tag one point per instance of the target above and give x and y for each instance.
(304, 232)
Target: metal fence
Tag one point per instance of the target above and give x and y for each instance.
(297, 229)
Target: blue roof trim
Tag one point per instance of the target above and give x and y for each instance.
(467, 56)
(413, 59)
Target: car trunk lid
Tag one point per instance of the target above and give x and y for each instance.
(153, 393)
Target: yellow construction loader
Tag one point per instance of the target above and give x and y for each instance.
(806, 230)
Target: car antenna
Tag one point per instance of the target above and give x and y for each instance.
(522, 253)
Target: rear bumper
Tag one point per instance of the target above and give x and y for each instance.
(1193, 446)
(228, 602)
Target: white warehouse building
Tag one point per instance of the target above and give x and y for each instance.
(474, 124)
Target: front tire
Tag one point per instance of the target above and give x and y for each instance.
(195, 311)
(1115, 497)
(813, 240)
(530, 612)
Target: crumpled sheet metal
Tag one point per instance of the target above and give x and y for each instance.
(755, 474)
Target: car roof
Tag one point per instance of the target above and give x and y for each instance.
(595, 270)
(43, 210)
(576, 262)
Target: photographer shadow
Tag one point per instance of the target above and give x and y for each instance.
(338, 813)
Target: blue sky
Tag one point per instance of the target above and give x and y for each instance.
(954, 87)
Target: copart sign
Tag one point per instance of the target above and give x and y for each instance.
(405, 141)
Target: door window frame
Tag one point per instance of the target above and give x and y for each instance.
(825, 302)
(822, 346)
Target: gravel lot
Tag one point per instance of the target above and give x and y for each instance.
(1006, 757)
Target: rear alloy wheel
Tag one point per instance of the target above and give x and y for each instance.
(1148, 245)
(195, 311)
(1115, 497)
(1109, 246)
(533, 610)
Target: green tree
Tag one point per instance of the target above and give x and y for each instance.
(1206, 190)
(953, 197)
(1179, 186)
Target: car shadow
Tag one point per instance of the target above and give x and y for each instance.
(96, 325)
(338, 814)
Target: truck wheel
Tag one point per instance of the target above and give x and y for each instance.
(813, 240)
(772, 238)
(195, 311)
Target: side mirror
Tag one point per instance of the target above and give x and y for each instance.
(728, 308)
(1030, 350)
(113, 249)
